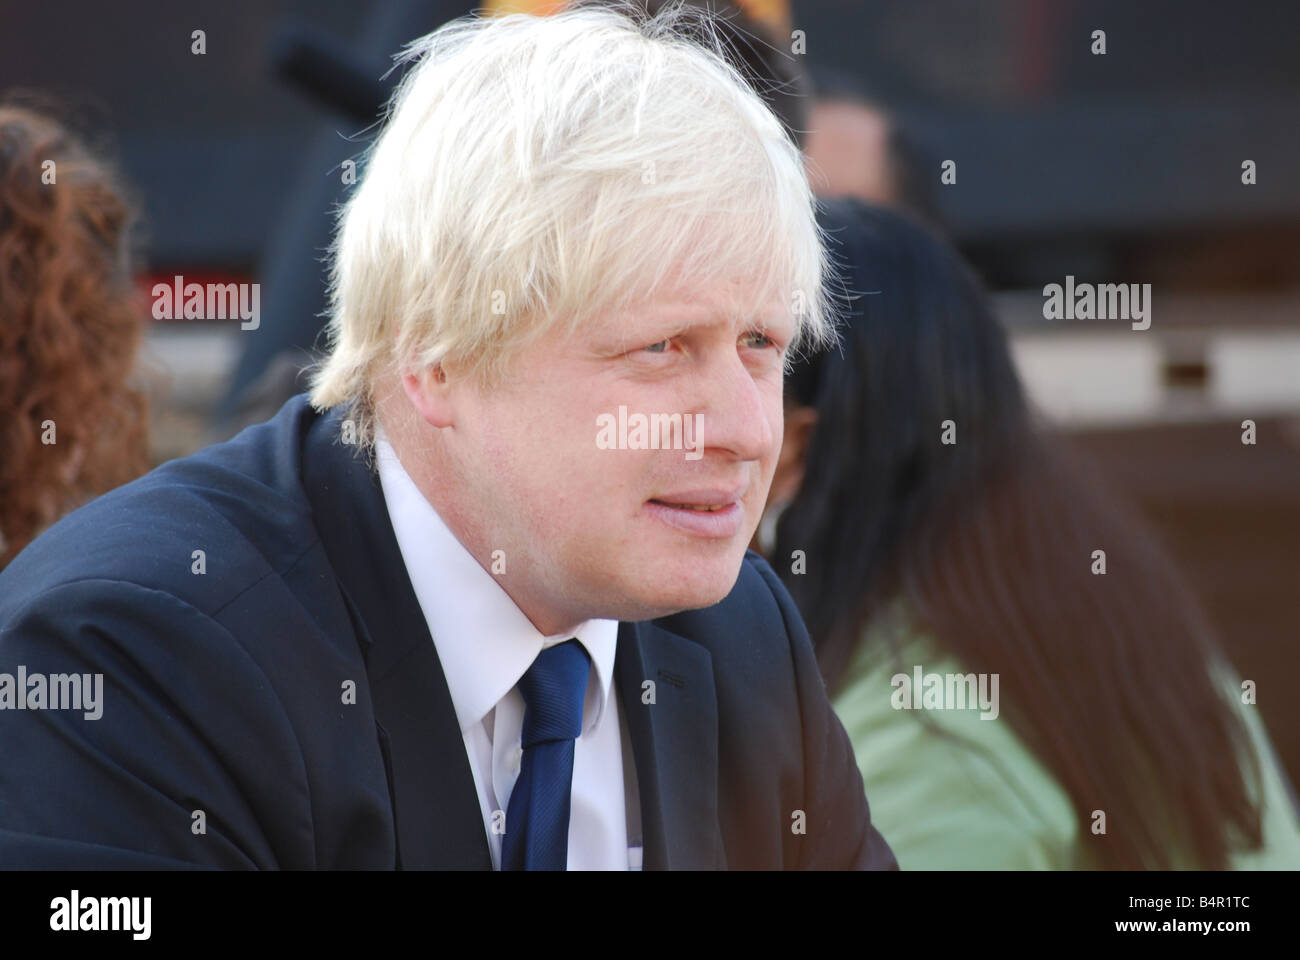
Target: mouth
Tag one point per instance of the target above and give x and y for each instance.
(702, 508)
(709, 514)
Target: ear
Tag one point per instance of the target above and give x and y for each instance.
(430, 395)
(799, 424)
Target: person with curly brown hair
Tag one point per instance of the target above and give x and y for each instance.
(72, 423)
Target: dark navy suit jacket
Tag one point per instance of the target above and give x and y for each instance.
(226, 691)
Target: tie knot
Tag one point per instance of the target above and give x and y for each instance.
(553, 689)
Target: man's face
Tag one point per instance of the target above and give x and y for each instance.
(548, 469)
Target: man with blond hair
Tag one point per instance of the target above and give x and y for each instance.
(424, 617)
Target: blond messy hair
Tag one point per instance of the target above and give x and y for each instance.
(542, 172)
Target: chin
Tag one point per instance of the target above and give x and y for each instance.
(664, 580)
(692, 585)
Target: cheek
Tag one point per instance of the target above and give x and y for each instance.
(551, 466)
(776, 422)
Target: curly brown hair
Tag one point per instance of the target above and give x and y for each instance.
(72, 422)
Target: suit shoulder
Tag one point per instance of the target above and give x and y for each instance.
(202, 528)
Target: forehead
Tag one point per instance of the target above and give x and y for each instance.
(734, 304)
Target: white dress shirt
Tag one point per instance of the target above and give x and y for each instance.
(485, 644)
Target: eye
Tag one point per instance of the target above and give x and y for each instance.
(764, 339)
(659, 347)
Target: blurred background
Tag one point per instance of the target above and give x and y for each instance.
(1122, 167)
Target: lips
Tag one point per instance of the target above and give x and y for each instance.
(709, 514)
(702, 498)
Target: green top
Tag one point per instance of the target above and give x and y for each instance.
(986, 801)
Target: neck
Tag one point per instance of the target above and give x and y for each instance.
(420, 455)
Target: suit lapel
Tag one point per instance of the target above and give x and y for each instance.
(674, 743)
(435, 802)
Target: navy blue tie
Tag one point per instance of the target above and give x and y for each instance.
(537, 818)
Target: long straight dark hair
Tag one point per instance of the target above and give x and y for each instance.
(990, 541)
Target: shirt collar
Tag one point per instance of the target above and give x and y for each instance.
(484, 641)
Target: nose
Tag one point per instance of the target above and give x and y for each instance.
(736, 411)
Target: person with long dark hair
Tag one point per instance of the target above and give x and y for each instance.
(943, 547)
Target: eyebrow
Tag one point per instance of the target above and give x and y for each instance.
(636, 332)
